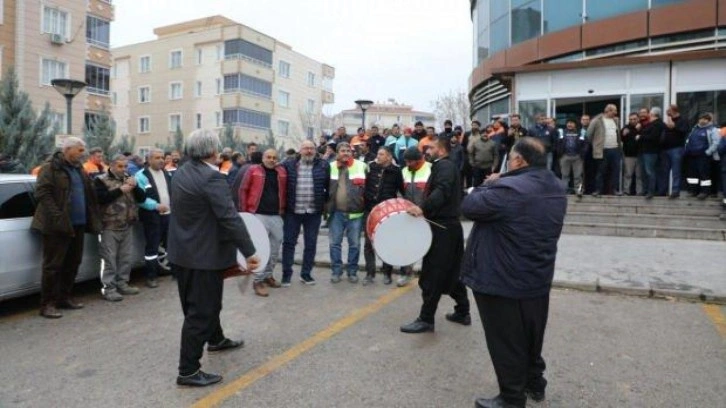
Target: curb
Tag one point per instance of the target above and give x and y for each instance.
(643, 292)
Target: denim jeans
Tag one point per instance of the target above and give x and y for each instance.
(311, 227)
(340, 224)
(723, 178)
(610, 166)
(648, 162)
(673, 158)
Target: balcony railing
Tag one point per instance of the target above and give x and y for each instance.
(97, 43)
(98, 91)
(248, 59)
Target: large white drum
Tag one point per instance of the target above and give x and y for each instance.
(259, 236)
(398, 238)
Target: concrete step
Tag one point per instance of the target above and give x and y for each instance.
(644, 207)
(656, 220)
(644, 231)
(684, 201)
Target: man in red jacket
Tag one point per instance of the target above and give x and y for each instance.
(263, 193)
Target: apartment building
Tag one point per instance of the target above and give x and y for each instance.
(384, 115)
(211, 72)
(49, 39)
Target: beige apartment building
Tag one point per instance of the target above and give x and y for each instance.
(49, 39)
(384, 115)
(210, 72)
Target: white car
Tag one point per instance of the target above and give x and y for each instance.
(20, 247)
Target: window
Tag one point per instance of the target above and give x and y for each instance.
(284, 69)
(283, 127)
(144, 125)
(283, 99)
(58, 121)
(526, 21)
(528, 110)
(311, 79)
(198, 89)
(98, 79)
(52, 69)
(247, 84)
(310, 107)
(55, 21)
(2, 7)
(695, 103)
(144, 94)
(645, 101)
(240, 48)
(15, 201)
(602, 9)
(145, 64)
(247, 118)
(174, 122)
(175, 90)
(658, 3)
(217, 119)
(199, 120)
(219, 86)
(98, 31)
(175, 59)
(499, 38)
(200, 56)
(311, 132)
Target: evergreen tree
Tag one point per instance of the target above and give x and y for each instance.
(123, 145)
(24, 136)
(179, 139)
(100, 132)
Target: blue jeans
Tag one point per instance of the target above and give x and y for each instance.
(673, 158)
(648, 162)
(291, 230)
(340, 224)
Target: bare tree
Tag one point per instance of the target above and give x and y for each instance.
(453, 105)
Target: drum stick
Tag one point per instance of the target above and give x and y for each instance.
(434, 223)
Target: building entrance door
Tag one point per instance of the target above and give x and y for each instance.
(574, 108)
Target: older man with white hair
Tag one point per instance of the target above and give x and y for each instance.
(66, 209)
(205, 232)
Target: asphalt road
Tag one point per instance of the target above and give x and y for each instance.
(339, 346)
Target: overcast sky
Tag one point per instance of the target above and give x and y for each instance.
(410, 50)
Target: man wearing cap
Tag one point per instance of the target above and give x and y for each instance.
(346, 208)
(448, 129)
(403, 143)
(383, 181)
(440, 271)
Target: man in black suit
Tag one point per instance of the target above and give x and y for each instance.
(205, 232)
(440, 269)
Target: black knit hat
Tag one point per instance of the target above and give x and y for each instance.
(418, 123)
(412, 153)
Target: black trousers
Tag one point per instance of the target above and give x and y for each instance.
(156, 227)
(200, 292)
(479, 175)
(514, 330)
(440, 270)
(62, 255)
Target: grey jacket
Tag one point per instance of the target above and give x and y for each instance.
(205, 230)
(483, 154)
(596, 136)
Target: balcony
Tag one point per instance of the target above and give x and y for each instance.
(241, 100)
(327, 97)
(244, 66)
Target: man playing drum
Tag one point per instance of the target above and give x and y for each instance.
(415, 175)
(440, 272)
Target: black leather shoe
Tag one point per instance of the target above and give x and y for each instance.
(198, 379)
(536, 396)
(70, 304)
(225, 344)
(458, 318)
(497, 402)
(50, 312)
(417, 326)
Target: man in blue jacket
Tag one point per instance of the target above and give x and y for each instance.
(509, 264)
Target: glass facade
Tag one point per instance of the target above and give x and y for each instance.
(693, 104)
(240, 48)
(500, 24)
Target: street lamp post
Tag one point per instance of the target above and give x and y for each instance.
(364, 104)
(69, 88)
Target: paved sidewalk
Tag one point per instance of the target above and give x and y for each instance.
(689, 269)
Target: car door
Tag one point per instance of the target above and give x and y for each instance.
(20, 251)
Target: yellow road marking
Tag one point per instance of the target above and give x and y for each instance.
(717, 317)
(217, 397)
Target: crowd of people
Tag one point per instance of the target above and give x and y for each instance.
(188, 206)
